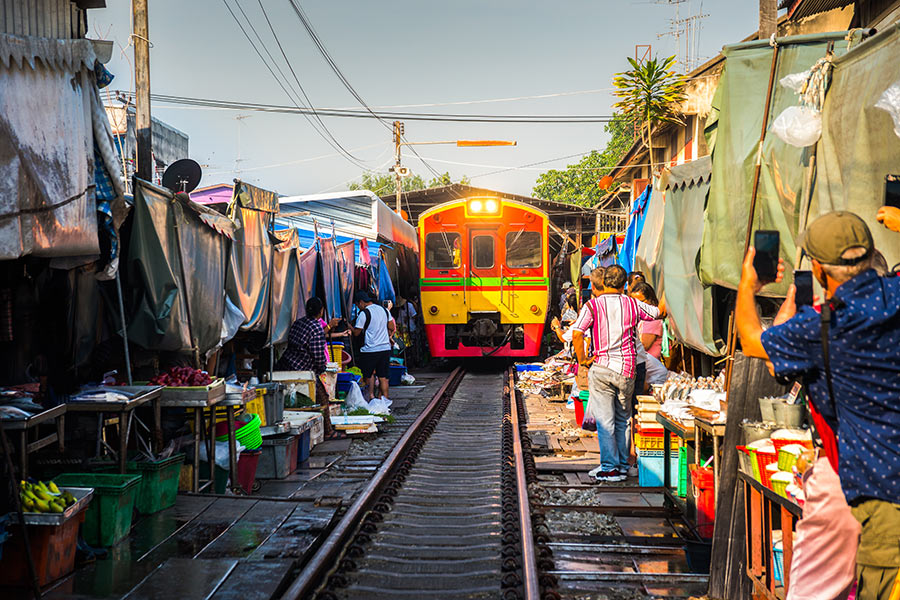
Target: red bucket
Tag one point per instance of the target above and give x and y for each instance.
(704, 484)
(580, 407)
(246, 469)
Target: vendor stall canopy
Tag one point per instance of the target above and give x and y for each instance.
(355, 214)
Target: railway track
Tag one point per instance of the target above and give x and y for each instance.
(447, 514)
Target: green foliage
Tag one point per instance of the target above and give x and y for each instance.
(383, 184)
(650, 93)
(577, 183)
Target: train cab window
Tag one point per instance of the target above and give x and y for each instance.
(442, 250)
(483, 251)
(523, 249)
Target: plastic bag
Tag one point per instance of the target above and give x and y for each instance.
(221, 456)
(795, 81)
(798, 126)
(890, 102)
(354, 399)
(407, 379)
(380, 406)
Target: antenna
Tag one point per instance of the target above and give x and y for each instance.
(687, 29)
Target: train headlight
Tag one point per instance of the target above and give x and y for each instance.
(476, 206)
(433, 310)
(491, 206)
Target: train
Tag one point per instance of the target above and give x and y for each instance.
(484, 273)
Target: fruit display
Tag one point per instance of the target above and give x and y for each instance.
(44, 497)
(182, 377)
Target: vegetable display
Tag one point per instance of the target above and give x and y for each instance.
(182, 377)
(44, 497)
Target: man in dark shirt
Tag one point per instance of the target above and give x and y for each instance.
(864, 350)
(307, 349)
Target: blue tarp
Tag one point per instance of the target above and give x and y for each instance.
(635, 228)
(330, 278)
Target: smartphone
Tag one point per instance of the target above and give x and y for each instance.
(767, 242)
(892, 190)
(803, 281)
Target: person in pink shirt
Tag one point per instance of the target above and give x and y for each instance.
(612, 318)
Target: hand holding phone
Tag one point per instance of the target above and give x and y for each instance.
(803, 284)
(766, 242)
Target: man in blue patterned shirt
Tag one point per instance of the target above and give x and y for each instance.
(864, 350)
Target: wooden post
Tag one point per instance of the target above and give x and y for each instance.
(768, 18)
(578, 246)
(141, 38)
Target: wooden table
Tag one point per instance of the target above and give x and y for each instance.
(57, 415)
(686, 433)
(716, 431)
(200, 429)
(124, 409)
(765, 511)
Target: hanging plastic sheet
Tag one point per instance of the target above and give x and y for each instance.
(390, 255)
(364, 256)
(858, 146)
(172, 247)
(248, 279)
(346, 267)
(689, 302)
(308, 262)
(575, 268)
(286, 286)
(635, 229)
(648, 257)
(330, 277)
(606, 252)
(733, 131)
(47, 205)
(385, 286)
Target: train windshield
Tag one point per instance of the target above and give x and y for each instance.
(483, 252)
(523, 249)
(442, 250)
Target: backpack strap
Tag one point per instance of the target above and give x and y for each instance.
(368, 322)
(824, 327)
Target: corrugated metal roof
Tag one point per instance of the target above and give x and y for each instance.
(799, 9)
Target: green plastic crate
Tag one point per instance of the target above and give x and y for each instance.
(108, 517)
(159, 483)
(682, 472)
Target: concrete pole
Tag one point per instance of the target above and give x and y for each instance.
(768, 18)
(142, 84)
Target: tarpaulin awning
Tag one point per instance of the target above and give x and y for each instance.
(308, 263)
(733, 131)
(607, 251)
(250, 196)
(250, 264)
(330, 277)
(286, 286)
(47, 204)
(689, 302)
(170, 246)
(648, 258)
(859, 146)
(635, 229)
(346, 270)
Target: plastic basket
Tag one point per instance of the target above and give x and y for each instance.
(396, 375)
(763, 460)
(108, 518)
(650, 467)
(682, 472)
(779, 486)
(777, 562)
(786, 460)
(278, 458)
(249, 435)
(780, 443)
(159, 483)
(257, 406)
(520, 368)
(52, 551)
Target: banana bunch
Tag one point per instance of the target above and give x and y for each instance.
(44, 497)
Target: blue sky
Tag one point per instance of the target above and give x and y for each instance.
(402, 52)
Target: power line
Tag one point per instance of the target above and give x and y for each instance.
(362, 114)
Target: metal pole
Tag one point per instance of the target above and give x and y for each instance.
(398, 134)
(124, 326)
(141, 41)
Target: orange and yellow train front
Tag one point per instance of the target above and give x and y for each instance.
(484, 277)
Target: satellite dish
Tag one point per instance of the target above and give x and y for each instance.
(182, 175)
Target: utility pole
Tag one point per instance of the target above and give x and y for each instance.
(141, 38)
(768, 18)
(398, 141)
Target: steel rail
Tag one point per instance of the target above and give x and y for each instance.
(529, 560)
(327, 555)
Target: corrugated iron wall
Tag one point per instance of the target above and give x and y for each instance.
(43, 18)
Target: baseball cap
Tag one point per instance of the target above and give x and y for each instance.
(362, 296)
(830, 235)
(566, 285)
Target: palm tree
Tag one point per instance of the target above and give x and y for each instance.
(649, 93)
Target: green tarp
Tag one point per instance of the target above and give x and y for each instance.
(688, 301)
(733, 131)
(859, 146)
(170, 234)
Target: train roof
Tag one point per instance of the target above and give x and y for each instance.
(460, 201)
